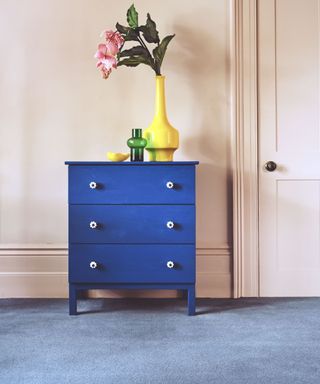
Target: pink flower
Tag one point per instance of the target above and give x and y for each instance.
(106, 52)
(105, 72)
(113, 38)
(106, 61)
(102, 52)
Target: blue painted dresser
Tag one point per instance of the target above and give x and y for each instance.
(131, 226)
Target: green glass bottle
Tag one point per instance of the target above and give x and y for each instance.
(136, 143)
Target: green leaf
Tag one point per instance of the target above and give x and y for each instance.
(149, 31)
(138, 50)
(160, 51)
(131, 36)
(128, 33)
(122, 29)
(134, 61)
(132, 17)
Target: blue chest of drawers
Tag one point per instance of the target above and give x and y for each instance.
(131, 226)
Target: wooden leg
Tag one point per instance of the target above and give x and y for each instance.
(191, 301)
(72, 300)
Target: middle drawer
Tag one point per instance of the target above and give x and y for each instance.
(132, 224)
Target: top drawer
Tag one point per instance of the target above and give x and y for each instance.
(118, 184)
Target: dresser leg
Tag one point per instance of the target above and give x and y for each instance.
(191, 301)
(72, 300)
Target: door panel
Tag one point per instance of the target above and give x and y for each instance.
(289, 134)
(297, 224)
(297, 72)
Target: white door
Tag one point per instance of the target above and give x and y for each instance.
(289, 135)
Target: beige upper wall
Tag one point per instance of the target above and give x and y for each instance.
(54, 106)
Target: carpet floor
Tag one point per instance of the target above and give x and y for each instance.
(274, 341)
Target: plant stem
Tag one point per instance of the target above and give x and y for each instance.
(142, 43)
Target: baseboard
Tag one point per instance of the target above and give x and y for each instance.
(40, 271)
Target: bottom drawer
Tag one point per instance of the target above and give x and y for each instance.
(113, 263)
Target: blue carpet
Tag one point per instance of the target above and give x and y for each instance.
(243, 341)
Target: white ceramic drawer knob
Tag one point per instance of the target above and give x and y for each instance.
(93, 224)
(93, 185)
(93, 264)
(170, 185)
(170, 264)
(170, 224)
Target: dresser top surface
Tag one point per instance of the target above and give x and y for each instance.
(132, 163)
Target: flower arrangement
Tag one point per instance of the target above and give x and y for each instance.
(111, 54)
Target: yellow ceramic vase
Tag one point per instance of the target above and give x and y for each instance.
(162, 138)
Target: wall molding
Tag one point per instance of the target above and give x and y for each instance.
(244, 139)
(40, 270)
(32, 247)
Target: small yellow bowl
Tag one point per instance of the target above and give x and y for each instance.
(112, 156)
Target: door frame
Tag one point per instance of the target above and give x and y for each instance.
(244, 147)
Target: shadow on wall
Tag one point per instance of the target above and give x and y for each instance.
(205, 66)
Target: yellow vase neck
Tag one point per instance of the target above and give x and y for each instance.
(160, 107)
